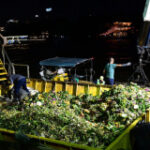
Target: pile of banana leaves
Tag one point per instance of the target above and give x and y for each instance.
(89, 120)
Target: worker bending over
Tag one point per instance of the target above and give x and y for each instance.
(19, 82)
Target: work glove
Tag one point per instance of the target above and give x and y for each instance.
(126, 64)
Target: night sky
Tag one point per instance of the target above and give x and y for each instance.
(72, 9)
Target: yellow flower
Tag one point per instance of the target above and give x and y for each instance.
(54, 102)
(40, 96)
(126, 93)
(148, 93)
(32, 104)
(117, 124)
(124, 100)
(87, 111)
(67, 102)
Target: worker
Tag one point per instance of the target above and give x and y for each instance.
(47, 73)
(18, 82)
(100, 81)
(109, 70)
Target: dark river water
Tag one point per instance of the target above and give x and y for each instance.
(123, 50)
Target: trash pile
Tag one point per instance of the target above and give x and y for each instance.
(90, 120)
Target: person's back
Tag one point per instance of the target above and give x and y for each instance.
(19, 82)
(16, 77)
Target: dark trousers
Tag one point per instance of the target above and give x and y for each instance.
(18, 85)
(109, 81)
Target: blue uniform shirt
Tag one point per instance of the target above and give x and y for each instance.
(110, 70)
(15, 77)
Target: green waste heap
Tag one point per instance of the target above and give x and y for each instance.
(94, 121)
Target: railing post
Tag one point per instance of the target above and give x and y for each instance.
(28, 71)
(45, 84)
(13, 68)
(147, 115)
(54, 86)
(75, 89)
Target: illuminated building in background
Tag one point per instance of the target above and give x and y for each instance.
(118, 29)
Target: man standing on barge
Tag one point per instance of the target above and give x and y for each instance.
(109, 70)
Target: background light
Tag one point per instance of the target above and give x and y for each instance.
(36, 16)
(12, 21)
(48, 9)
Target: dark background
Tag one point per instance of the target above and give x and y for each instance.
(79, 22)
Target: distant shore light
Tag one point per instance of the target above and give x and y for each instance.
(36, 16)
(48, 9)
(12, 21)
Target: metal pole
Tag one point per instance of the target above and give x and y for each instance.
(91, 71)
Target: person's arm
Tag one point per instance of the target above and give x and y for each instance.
(118, 65)
(123, 65)
(55, 72)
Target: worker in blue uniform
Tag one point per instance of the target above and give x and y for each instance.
(109, 70)
(18, 82)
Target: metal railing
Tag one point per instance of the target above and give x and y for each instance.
(21, 65)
